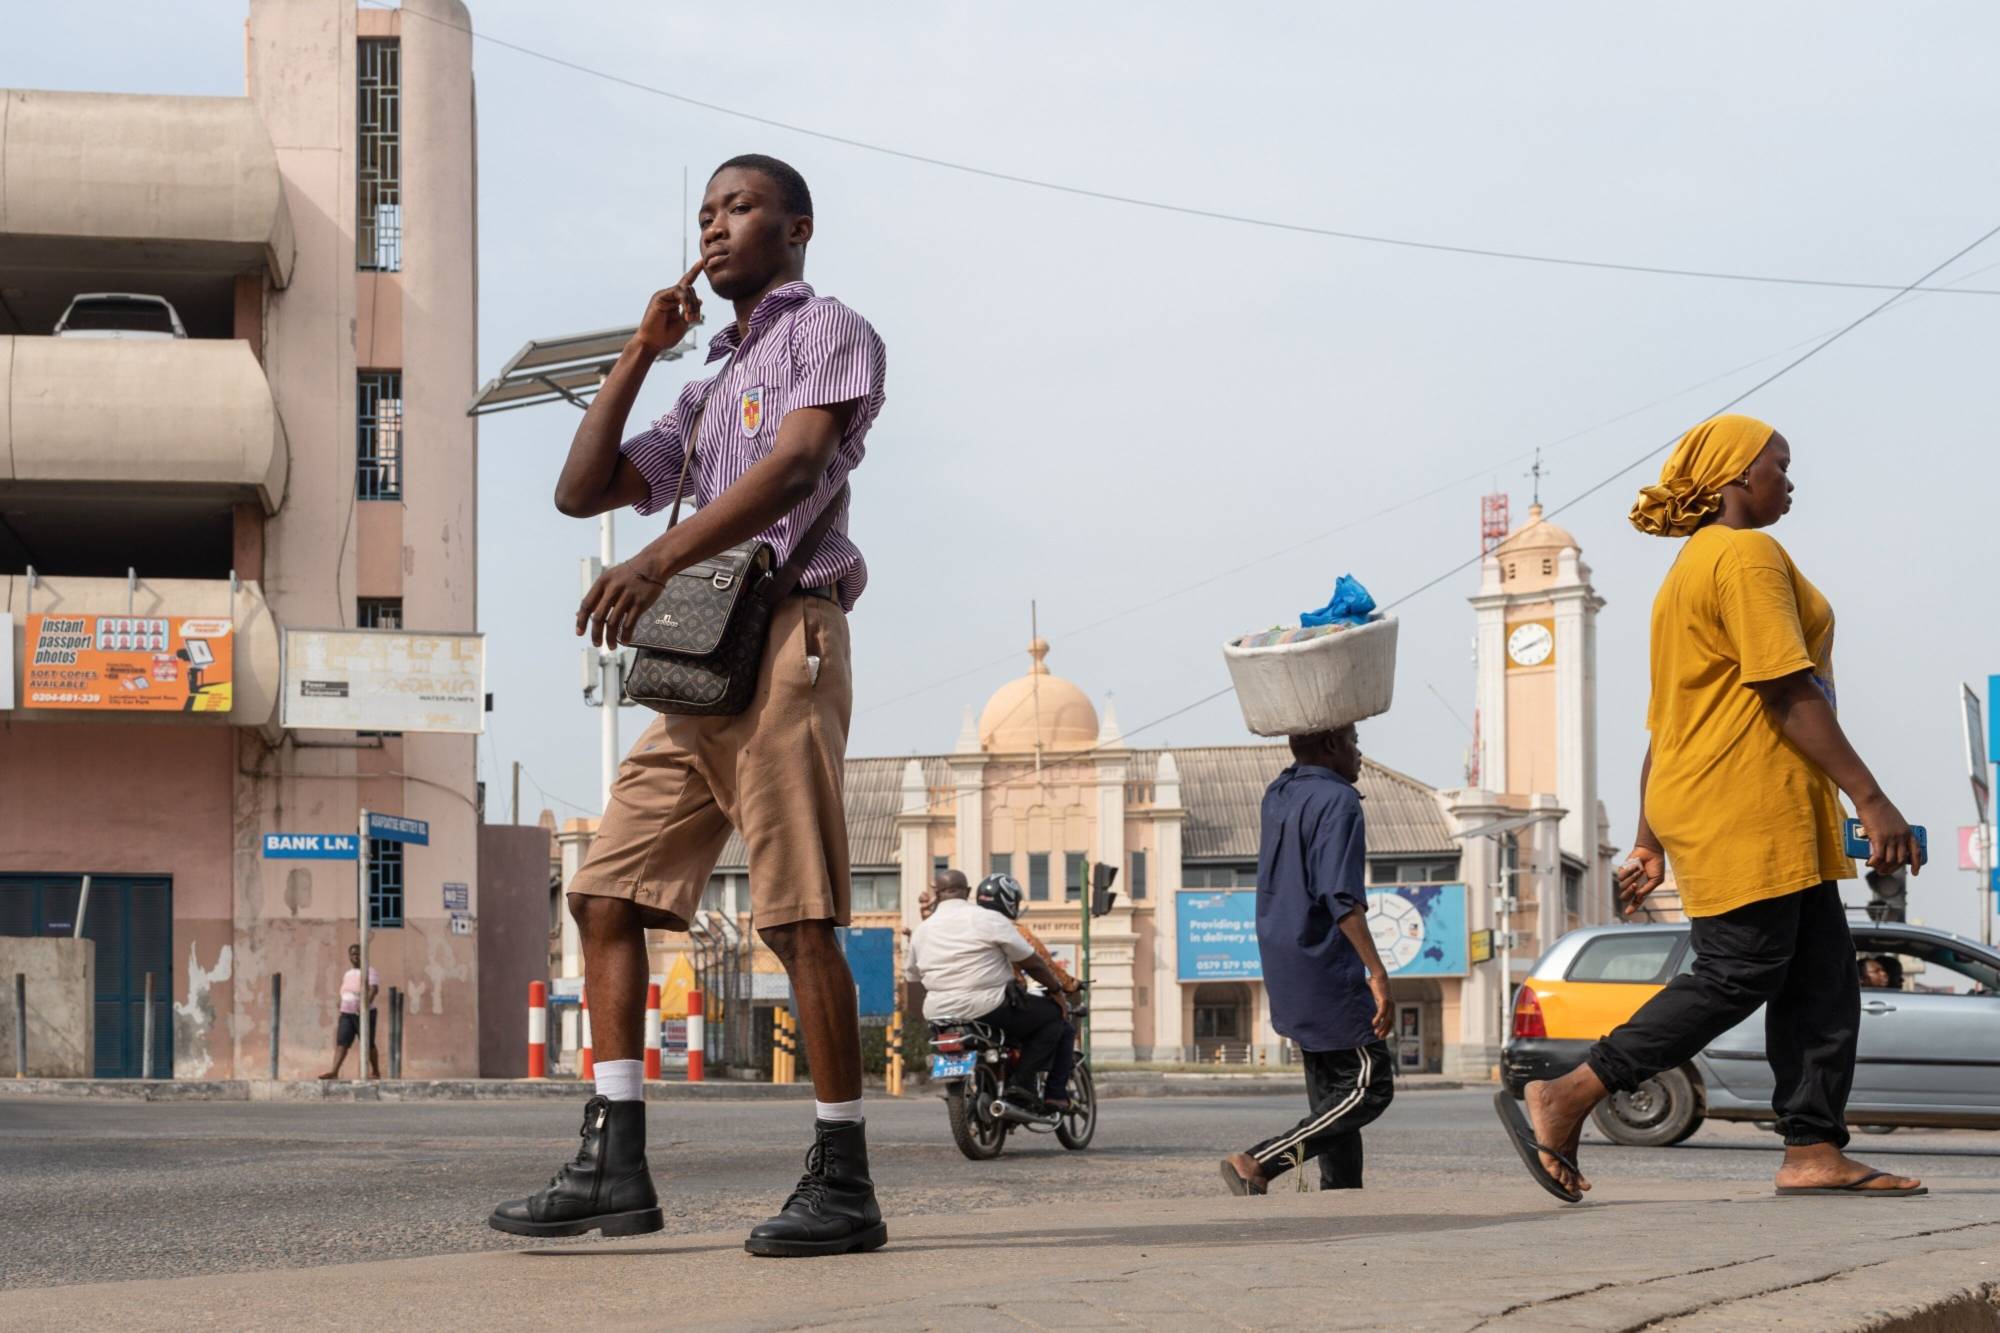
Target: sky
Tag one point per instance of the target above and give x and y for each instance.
(1099, 408)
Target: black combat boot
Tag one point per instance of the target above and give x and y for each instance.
(607, 1188)
(833, 1211)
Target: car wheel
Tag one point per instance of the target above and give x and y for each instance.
(1662, 1111)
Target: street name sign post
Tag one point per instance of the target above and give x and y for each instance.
(376, 828)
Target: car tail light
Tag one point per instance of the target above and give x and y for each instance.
(1528, 1014)
(950, 1042)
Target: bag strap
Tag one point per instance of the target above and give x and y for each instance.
(693, 432)
(788, 574)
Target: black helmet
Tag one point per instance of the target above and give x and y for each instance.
(1002, 894)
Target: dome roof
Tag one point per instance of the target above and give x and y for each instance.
(1537, 534)
(1038, 711)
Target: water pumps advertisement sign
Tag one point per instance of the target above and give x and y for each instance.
(147, 664)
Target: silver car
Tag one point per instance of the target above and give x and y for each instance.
(120, 315)
(1928, 1055)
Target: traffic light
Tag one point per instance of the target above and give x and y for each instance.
(1101, 896)
(1888, 895)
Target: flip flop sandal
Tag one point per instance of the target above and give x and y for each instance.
(1522, 1135)
(1857, 1187)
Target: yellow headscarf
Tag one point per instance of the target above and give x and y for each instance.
(1707, 458)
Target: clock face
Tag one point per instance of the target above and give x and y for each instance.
(1397, 928)
(1530, 644)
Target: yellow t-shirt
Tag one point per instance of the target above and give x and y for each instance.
(1742, 814)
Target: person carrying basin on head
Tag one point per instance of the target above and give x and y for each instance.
(1329, 990)
(1740, 791)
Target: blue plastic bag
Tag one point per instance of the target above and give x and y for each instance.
(1351, 604)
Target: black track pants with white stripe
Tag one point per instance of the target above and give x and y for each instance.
(1347, 1089)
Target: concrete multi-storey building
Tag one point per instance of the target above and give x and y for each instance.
(300, 458)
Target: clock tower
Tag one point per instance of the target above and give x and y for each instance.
(1537, 655)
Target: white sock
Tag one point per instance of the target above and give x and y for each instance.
(834, 1111)
(621, 1080)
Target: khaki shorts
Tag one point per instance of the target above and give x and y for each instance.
(773, 772)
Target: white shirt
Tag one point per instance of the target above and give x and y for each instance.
(964, 956)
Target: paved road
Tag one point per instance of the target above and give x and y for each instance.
(99, 1191)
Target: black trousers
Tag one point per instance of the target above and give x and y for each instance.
(1346, 1090)
(1794, 956)
(1047, 1040)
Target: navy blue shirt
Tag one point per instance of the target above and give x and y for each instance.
(1311, 872)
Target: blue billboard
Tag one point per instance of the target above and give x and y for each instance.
(1420, 929)
(1218, 937)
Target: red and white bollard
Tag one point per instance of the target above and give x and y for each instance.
(538, 1029)
(586, 1067)
(653, 1029)
(696, 1038)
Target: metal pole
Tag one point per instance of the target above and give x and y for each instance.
(146, 1029)
(1988, 900)
(395, 1033)
(20, 1025)
(361, 860)
(82, 903)
(610, 688)
(277, 1017)
(516, 807)
(1083, 950)
(1505, 921)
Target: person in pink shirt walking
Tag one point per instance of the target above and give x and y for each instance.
(348, 1028)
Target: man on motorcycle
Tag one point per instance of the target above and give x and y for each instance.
(965, 959)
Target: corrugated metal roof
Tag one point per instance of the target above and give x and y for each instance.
(874, 796)
(1222, 789)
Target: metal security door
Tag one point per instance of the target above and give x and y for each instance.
(131, 920)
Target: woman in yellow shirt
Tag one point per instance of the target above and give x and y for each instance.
(1740, 791)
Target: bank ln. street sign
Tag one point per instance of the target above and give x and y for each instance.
(395, 828)
(311, 846)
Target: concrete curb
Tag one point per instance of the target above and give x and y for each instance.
(1111, 1086)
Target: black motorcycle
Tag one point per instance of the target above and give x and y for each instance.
(973, 1062)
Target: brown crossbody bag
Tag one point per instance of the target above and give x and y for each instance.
(701, 643)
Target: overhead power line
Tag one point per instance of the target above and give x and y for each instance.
(1768, 380)
(1183, 210)
(1422, 588)
(1397, 506)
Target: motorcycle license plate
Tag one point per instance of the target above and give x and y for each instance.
(953, 1066)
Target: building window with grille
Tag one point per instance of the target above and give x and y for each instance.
(1137, 881)
(1038, 877)
(877, 892)
(1000, 863)
(379, 438)
(385, 884)
(378, 155)
(1418, 870)
(1073, 877)
(378, 613)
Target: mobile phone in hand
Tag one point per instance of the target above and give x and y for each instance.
(1858, 846)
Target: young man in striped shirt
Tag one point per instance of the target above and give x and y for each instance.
(784, 424)
(1329, 991)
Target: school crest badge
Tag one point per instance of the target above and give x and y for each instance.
(751, 413)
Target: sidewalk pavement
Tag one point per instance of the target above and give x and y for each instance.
(1110, 1085)
(1656, 1255)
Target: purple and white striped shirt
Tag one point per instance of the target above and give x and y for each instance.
(802, 351)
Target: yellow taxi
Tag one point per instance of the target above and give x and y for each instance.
(1928, 1050)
